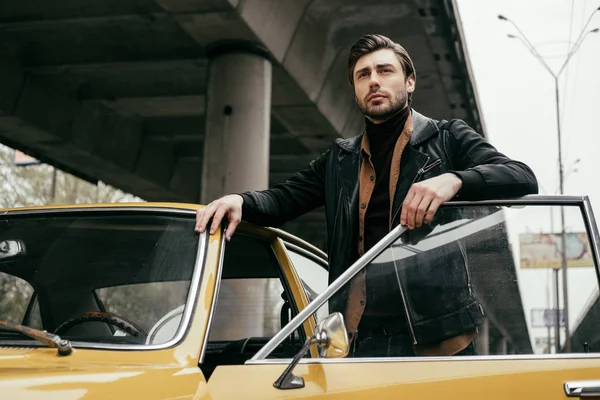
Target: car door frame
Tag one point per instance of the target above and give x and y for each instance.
(290, 279)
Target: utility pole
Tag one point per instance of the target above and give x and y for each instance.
(582, 35)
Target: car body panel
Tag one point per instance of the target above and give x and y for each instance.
(468, 379)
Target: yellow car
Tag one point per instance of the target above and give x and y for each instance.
(127, 301)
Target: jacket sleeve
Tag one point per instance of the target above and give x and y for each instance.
(485, 172)
(302, 192)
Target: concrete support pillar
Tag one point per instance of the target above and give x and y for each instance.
(482, 343)
(502, 346)
(510, 349)
(238, 113)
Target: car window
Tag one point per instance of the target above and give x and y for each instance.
(135, 265)
(14, 299)
(313, 275)
(252, 299)
(247, 308)
(145, 303)
(35, 317)
(480, 280)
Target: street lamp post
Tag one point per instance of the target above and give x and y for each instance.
(582, 35)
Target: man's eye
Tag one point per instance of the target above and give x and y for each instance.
(362, 74)
(386, 70)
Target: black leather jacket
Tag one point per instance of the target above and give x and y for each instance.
(435, 147)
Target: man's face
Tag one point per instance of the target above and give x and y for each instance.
(380, 87)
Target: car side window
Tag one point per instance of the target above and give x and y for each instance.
(313, 275)
(479, 280)
(252, 298)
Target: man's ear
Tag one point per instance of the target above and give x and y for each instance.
(411, 83)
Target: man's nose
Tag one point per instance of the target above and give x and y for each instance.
(374, 82)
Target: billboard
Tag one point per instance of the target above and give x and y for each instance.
(22, 159)
(543, 250)
(546, 317)
(542, 341)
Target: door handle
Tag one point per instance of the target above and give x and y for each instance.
(582, 388)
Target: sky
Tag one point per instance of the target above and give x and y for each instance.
(517, 101)
(516, 93)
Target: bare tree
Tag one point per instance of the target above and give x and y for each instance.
(41, 184)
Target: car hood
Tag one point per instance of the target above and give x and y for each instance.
(32, 374)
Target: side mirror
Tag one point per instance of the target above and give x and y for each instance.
(331, 338)
(11, 249)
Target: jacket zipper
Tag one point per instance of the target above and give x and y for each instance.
(430, 166)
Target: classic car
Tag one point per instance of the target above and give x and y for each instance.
(127, 301)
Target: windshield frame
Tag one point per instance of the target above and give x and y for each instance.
(189, 307)
(536, 200)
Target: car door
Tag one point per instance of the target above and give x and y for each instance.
(512, 250)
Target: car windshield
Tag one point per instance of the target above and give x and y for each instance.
(119, 277)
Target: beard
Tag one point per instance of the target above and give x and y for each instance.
(386, 110)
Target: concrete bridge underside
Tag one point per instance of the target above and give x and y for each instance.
(185, 100)
(119, 90)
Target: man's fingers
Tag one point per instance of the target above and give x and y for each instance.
(433, 207)
(234, 221)
(198, 218)
(404, 214)
(216, 222)
(412, 210)
(422, 210)
(203, 216)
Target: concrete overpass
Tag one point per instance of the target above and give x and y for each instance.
(185, 100)
(130, 91)
(585, 338)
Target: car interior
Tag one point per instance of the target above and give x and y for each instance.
(253, 304)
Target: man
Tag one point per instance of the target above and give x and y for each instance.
(398, 171)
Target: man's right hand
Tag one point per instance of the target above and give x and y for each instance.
(230, 205)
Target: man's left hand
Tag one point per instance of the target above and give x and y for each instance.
(424, 198)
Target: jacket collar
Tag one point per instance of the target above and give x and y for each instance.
(423, 129)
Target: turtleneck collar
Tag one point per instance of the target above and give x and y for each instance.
(393, 125)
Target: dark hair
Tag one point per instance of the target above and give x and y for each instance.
(373, 42)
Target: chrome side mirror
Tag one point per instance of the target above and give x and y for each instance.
(331, 338)
(11, 249)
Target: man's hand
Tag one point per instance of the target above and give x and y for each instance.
(230, 205)
(424, 198)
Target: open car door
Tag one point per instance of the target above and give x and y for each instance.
(512, 254)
